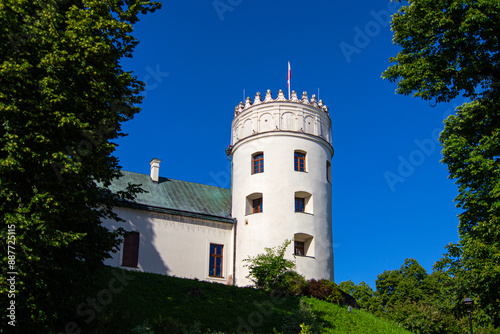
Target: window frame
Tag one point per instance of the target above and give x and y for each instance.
(300, 203)
(258, 163)
(298, 158)
(130, 250)
(215, 256)
(307, 241)
(257, 205)
(299, 245)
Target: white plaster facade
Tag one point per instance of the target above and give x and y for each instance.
(277, 129)
(176, 245)
(177, 221)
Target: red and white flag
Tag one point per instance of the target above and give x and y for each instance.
(289, 76)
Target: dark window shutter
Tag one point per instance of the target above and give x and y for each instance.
(131, 250)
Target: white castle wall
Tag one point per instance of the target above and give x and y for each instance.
(175, 245)
(278, 128)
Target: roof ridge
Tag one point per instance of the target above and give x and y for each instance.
(169, 178)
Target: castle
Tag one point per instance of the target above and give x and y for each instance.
(281, 153)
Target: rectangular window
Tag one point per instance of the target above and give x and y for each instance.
(258, 163)
(130, 249)
(299, 248)
(300, 161)
(299, 204)
(257, 205)
(215, 266)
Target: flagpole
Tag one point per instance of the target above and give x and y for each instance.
(289, 77)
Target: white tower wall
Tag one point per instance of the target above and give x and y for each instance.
(278, 128)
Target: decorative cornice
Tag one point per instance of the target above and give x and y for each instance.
(241, 107)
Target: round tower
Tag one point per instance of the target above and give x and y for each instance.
(281, 182)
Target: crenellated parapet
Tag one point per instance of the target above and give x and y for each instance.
(303, 115)
(281, 98)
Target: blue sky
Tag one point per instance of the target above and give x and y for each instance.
(391, 196)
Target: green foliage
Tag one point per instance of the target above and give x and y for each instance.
(336, 319)
(451, 48)
(401, 285)
(448, 48)
(295, 284)
(363, 293)
(270, 270)
(301, 320)
(63, 98)
(166, 301)
(305, 329)
(324, 290)
(420, 302)
(472, 152)
(426, 318)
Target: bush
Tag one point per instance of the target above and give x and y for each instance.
(324, 290)
(295, 284)
(269, 270)
(302, 320)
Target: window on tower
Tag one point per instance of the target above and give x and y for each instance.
(300, 161)
(215, 264)
(258, 163)
(299, 248)
(303, 245)
(329, 171)
(299, 204)
(257, 205)
(303, 202)
(254, 203)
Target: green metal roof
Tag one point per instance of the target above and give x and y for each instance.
(178, 197)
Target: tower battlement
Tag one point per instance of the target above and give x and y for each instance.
(313, 102)
(266, 115)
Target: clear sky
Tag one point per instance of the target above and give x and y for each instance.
(391, 196)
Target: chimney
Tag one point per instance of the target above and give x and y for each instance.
(155, 169)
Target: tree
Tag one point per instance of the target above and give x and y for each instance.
(63, 98)
(404, 284)
(448, 48)
(269, 271)
(363, 293)
(452, 48)
(472, 152)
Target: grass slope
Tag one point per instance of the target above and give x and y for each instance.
(175, 305)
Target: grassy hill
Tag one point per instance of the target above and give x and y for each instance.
(134, 302)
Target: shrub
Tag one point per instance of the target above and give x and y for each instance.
(295, 284)
(324, 290)
(269, 270)
(302, 320)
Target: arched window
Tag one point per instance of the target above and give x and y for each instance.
(299, 159)
(303, 244)
(303, 202)
(254, 203)
(258, 163)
